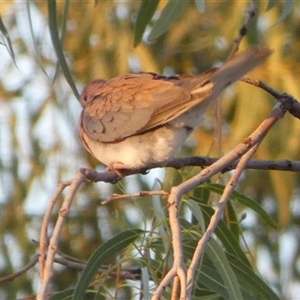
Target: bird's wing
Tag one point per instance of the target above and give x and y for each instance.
(135, 103)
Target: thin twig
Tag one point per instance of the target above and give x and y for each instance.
(262, 85)
(289, 102)
(21, 271)
(135, 195)
(251, 13)
(53, 243)
(131, 274)
(178, 268)
(164, 283)
(43, 244)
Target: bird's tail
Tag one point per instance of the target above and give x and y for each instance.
(235, 68)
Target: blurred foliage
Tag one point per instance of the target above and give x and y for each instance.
(38, 131)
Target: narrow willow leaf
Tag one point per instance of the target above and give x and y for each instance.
(197, 213)
(200, 4)
(214, 270)
(145, 283)
(7, 41)
(145, 14)
(208, 297)
(211, 279)
(64, 295)
(242, 199)
(107, 250)
(228, 240)
(219, 259)
(58, 47)
(160, 216)
(201, 193)
(287, 9)
(249, 281)
(171, 13)
(63, 32)
(67, 295)
(272, 3)
(232, 218)
(288, 6)
(37, 55)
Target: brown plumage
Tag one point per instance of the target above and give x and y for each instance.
(141, 120)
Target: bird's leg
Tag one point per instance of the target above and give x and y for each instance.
(119, 168)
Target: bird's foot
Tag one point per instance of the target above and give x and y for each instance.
(122, 170)
(119, 168)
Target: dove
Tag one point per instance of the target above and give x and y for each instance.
(140, 121)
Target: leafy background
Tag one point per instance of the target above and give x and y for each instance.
(38, 125)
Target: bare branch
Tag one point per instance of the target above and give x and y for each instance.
(175, 289)
(203, 161)
(44, 230)
(135, 195)
(288, 102)
(251, 13)
(261, 85)
(54, 240)
(178, 268)
(131, 274)
(254, 164)
(105, 176)
(21, 271)
(164, 283)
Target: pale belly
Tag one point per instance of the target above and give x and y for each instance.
(150, 149)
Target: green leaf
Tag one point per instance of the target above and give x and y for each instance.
(37, 55)
(64, 295)
(171, 13)
(229, 241)
(145, 283)
(197, 213)
(234, 222)
(286, 10)
(208, 297)
(251, 285)
(63, 33)
(288, 7)
(67, 295)
(219, 259)
(242, 199)
(249, 281)
(160, 217)
(7, 41)
(272, 3)
(211, 279)
(145, 14)
(200, 4)
(58, 47)
(220, 272)
(107, 250)
(201, 193)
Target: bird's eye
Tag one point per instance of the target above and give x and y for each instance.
(85, 98)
